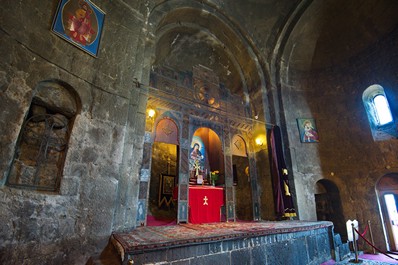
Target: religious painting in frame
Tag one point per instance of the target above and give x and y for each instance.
(166, 188)
(79, 22)
(167, 184)
(196, 154)
(141, 213)
(308, 130)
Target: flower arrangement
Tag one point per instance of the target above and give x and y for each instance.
(214, 176)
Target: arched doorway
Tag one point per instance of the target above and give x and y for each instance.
(206, 177)
(387, 189)
(328, 206)
(212, 155)
(162, 208)
(242, 180)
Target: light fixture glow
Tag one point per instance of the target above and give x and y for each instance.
(151, 113)
(259, 141)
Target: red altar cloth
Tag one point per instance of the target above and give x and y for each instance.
(205, 203)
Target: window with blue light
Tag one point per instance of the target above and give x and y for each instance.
(382, 109)
(380, 116)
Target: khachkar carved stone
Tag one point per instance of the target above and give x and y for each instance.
(41, 151)
(43, 139)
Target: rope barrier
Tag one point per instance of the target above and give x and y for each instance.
(366, 230)
(367, 241)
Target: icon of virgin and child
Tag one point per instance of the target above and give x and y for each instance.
(309, 132)
(197, 151)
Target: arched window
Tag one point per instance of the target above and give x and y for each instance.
(379, 113)
(43, 140)
(382, 109)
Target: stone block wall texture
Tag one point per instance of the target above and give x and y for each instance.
(346, 154)
(99, 190)
(100, 185)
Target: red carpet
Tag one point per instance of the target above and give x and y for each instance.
(378, 257)
(152, 221)
(366, 259)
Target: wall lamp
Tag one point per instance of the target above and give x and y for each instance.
(259, 141)
(151, 113)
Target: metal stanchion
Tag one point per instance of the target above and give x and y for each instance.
(371, 238)
(354, 245)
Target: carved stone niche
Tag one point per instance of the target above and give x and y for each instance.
(43, 140)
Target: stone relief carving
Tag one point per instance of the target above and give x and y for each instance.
(43, 140)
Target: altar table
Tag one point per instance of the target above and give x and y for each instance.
(205, 204)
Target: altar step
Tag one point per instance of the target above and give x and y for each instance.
(268, 243)
(341, 250)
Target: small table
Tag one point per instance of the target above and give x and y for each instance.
(205, 204)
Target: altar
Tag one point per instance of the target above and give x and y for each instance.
(205, 204)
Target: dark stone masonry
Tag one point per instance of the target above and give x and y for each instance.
(82, 159)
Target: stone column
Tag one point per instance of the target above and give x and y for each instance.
(182, 215)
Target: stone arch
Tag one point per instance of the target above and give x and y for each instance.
(43, 140)
(163, 152)
(242, 171)
(380, 131)
(214, 151)
(239, 146)
(167, 131)
(387, 182)
(387, 185)
(209, 19)
(328, 205)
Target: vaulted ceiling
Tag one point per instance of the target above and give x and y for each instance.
(240, 40)
(332, 31)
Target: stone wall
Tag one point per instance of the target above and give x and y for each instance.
(100, 175)
(98, 192)
(346, 154)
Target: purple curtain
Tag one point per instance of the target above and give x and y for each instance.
(283, 198)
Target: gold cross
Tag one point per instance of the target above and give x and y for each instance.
(205, 201)
(196, 167)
